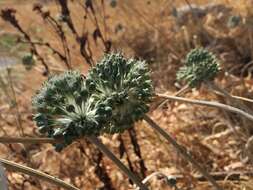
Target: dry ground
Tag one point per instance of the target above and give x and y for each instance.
(145, 29)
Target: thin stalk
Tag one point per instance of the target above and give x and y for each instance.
(111, 156)
(137, 151)
(122, 151)
(210, 104)
(25, 140)
(182, 151)
(237, 102)
(237, 97)
(155, 174)
(178, 93)
(35, 173)
(94, 140)
(17, 116)
(234, 101)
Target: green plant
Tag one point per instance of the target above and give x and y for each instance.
(114, 96)
(68, 42)
(68, 110)
(200, 66)
(71, 107)
(124, 85)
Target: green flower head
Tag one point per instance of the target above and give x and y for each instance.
(200, 66)
(66, 110)
(124, 86)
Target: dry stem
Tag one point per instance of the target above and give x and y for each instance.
(25, 140)
(32, 172)
(182, 151)
(209, 104)
(92, 139)
(112, 157)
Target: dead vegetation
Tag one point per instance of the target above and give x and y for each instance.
(161, 32)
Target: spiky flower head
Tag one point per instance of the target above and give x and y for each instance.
(200, 65)
(124, 85)
(66, 110)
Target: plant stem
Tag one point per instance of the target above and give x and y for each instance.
(93, 140)
(182, 151)
(178, 93)
(35, 173)
(18, 116)
(137, 150)
(234, 101)
(25, 140)
(111, 156)
(230, 97)
(210, 104)
(237, 97)
(149, 177)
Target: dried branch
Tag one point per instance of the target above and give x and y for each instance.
(182, 151)
(66, 16)
(122, 150)
(137, 151)
(27, 140)
(35, 173)
(93, 140)
(209, 104)
(96, 157)
(112, 157)
(58, 29)
(46, 44)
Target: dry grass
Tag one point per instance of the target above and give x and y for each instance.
(145, 29)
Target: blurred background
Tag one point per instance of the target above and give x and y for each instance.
(44, 37)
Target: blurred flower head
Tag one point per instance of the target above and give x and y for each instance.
(200, 65)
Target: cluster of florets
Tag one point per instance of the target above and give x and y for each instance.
(66, 110)
(125, 86)
(114, 96)
(200, 65)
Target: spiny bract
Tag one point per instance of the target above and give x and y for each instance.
(125, 86)
(66, 110)
(200, 65)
